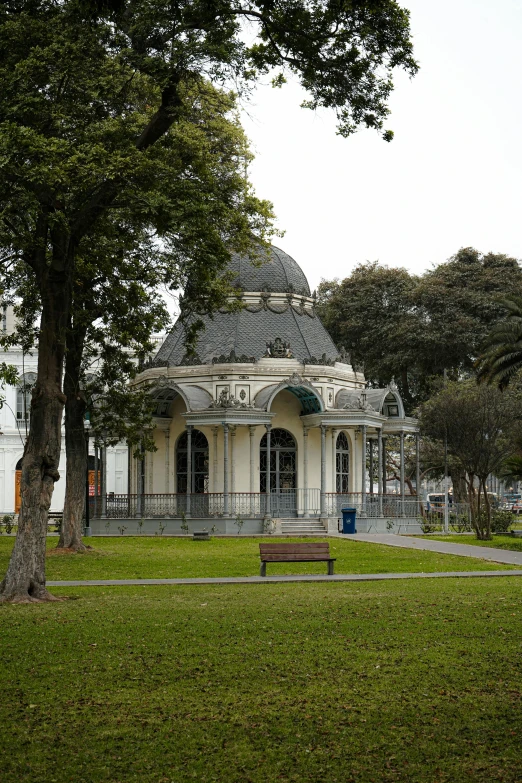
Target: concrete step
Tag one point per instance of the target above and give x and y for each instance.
(300, 527)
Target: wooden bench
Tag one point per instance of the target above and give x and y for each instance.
(295, 553)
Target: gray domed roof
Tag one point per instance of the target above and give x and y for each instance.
(278, 273)
(244, 334)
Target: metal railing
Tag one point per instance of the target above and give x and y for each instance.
(373, 505)
(282, 503)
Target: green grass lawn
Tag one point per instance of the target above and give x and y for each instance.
(149, 558)
(416, 681)
(498, 541)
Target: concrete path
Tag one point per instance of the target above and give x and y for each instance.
(294, 578)
(444, 547)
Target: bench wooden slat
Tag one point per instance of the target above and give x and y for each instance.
(318, 552)
(297, 556)
(295, 553)
(295, 548)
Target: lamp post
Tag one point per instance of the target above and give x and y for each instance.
(86, 428)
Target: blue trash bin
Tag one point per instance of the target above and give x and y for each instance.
(349, 520)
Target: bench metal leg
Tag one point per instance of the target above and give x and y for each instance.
(262, 570)
(330, 567)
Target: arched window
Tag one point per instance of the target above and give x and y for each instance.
(283, 453)
(23, 398)
(199, 448)
(342, 463)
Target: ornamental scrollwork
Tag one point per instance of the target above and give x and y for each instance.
(323, 360)
(228, 401)
(232, 358)
(278, 349)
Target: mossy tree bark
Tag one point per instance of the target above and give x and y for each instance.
(75, 445)
(25, 578)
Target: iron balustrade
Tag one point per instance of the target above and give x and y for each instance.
(287, 503)
(283, 503)
(373, 505)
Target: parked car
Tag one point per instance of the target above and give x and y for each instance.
(435, 501)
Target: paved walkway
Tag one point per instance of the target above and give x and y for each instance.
(444, 547)
(294, 578)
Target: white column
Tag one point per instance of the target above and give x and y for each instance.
(363, 468)
(417, 465)
(214, 459)
(233, 430)
(268, 495)
(384, 474)
(150, 471)
(379, 468)
(167, 461)
(104, 481)
(402, 464)
(371, 465)
(334, 472)
(323, 470)
(306, 505)
(96, 482)
(225, 470)
(189, 466)
(251, 432)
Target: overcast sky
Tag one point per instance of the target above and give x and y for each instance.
(450, 178)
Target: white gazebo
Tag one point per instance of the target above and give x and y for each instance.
(267, 427)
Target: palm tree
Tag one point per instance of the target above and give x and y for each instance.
(502, 357)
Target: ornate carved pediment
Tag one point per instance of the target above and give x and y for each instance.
(278, 349)
(360, 404)
(232, 358)
(295, 380)
(226, 401)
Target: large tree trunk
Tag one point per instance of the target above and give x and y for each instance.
(25, 577)
(458, 480)
(75, 446)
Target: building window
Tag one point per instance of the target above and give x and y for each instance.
(199, 450)
(23, 398)
(342, 463)
(283, 453)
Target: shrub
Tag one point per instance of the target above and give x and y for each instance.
(460, 523)
(501, 521)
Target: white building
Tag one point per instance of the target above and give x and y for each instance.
(14, 426)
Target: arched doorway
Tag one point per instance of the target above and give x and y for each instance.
(18, 479)
(342, 464)
(283, 471)
(199, 467)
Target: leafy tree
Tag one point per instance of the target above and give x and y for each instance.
(418, 329)
(501, 359)
(480, 425)
(90, 93)
(371, 313)
(458, 302)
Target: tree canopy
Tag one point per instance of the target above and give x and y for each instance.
(418, 328)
